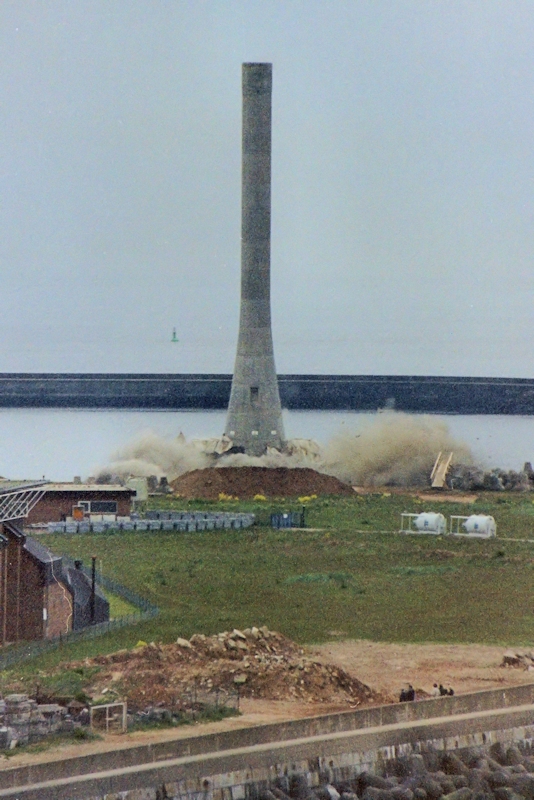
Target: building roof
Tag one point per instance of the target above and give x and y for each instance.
(88, 487)
(17, 486)
(52, 565)
(80, 584)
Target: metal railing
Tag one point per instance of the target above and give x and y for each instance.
(145, 610)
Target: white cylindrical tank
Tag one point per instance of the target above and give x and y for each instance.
(429, 522)
(480, 525)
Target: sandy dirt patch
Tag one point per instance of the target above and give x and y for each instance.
(386, 668)
(430, 496)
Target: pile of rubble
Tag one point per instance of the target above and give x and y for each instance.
(470, 478)
(522, 659)
(256, 663)
(23, 721)
(247, 482)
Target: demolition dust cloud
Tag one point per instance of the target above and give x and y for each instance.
(392, 449)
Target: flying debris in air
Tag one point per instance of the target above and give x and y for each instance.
(174, 337)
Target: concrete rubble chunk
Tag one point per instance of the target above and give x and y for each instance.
(5, 738)
(452, 765)
(460, 794)
(401, 793)
(332, 792)
(416, 764)
(370, 779)
(298, 787)
(143, 794)
(513, 756)
(432, 787)
(505, 793)
(498, 753)
(184, 643)
(498, 779)
(372, 793)
(16, 699)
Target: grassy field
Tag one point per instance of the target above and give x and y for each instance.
(348, 578)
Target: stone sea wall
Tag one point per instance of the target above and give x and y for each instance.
(484, 739)
(503, 770)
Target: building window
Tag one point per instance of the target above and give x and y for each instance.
(254, 395)
(103, 507)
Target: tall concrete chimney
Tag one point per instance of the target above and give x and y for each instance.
(254, 419)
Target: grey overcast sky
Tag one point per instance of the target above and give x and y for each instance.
(402, 194)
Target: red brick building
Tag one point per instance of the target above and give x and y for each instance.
(60, 501)
(35, 600)
(38, 598)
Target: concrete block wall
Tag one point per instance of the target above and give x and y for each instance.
(23, 721)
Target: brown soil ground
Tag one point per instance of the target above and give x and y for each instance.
(381, 668)
(386, 668)
(245, 482)
(271, 671)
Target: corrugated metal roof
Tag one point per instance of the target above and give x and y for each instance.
(87, 487)
(15, 486)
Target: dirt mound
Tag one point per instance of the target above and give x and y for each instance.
(245, 482)
(261, 663)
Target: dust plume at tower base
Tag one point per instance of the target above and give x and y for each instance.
(393, 449)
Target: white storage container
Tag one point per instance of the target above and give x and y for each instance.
(480, 525)
(430, 522)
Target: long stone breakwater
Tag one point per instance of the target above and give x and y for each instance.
(431, 394)
(468, 747)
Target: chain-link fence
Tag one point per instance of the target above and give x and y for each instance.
(144, 610)
(190, 705)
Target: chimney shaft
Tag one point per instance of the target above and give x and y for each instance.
(254, 419)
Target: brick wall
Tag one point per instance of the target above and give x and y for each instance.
(32, 598)
(3, 591)
(59, 607)
(56, 506)
(25, 595)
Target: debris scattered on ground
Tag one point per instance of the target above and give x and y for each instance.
(522, 659)
(246, 482)
(258, 662)
(468, 478)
